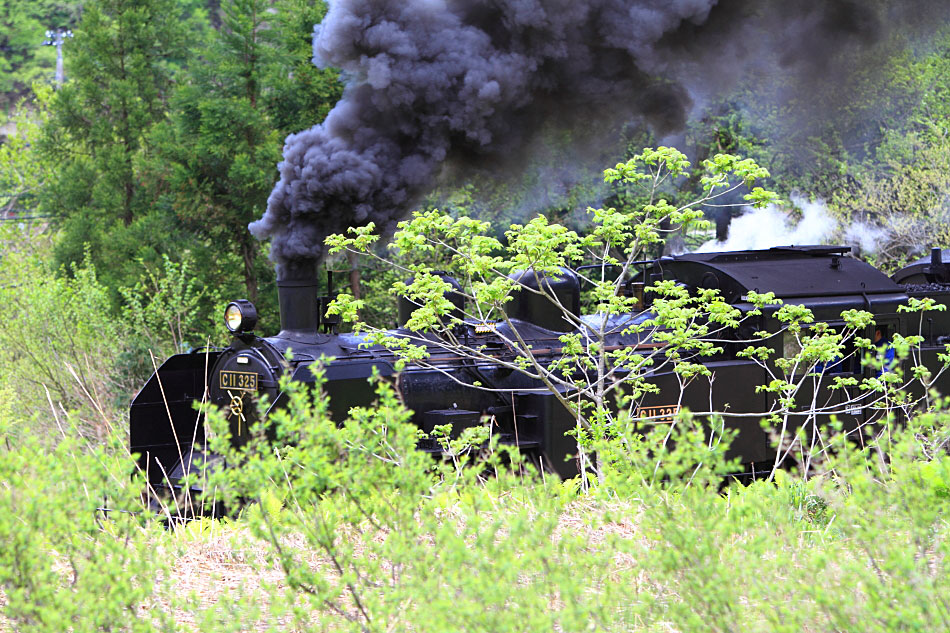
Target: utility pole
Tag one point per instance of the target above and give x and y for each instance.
(56, 38)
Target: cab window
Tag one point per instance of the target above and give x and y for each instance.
(848, 362)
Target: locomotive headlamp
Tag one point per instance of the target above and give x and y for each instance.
(240, 316)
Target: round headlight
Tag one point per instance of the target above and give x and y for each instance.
(240, 316)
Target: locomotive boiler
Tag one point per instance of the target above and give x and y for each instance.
(168, 435)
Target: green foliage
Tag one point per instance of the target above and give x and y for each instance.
(216, 157)
(682, 325)
(652, 546)
(366, 532)
(602, 384)
(121, 64)
(23, 170)
(165, 140)
(58, 339)
(879, 156)
(369, 535)
(65, 565)
(167, 308)
(488, 555)
(300, 95)
(906, 195)
(820, 136)
(350, 528)
(65, 352)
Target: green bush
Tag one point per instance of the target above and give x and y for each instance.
(166, 312)
(369, 535)
(62, 347)
(65, 565)
(373, 536)
(58, 341)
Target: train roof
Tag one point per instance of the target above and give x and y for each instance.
(916, 272)
(788, 271)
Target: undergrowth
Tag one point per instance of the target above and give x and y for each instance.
(350, 529)
(63, 349)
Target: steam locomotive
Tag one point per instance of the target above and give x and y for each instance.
(168, 435)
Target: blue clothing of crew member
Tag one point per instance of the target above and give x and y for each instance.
(885, 351)
(833, 366)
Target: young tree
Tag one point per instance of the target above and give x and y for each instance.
(589, 375)
(610, 360)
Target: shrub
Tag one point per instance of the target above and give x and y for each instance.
(371, 535)
(59, 342)
(64, 565)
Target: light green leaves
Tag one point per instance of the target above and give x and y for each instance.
(655, 163)
(363, 238)
(925, 304)
(586, 369)
(760, 197)
(346, 307)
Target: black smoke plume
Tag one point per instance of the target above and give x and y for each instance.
(434, 83)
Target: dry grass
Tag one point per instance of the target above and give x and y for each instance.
(220, 563)
(215, 565)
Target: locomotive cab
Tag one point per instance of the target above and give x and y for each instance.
(824, 279)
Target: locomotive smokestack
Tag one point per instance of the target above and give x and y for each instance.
(297, 288)
(938, 271)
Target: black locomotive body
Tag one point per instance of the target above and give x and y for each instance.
(167, 433)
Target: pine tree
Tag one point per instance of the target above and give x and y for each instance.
(229, 122)
(121, 66)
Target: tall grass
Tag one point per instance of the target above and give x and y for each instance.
(348, 528)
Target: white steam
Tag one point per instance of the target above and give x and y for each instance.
(773, 226)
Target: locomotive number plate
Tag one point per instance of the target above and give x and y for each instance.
(239, 380)
(661, 415)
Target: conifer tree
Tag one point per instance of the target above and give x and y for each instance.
(121, 66)
(252, 86)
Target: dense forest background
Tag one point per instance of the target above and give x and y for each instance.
(126, 189)
(162, 144)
